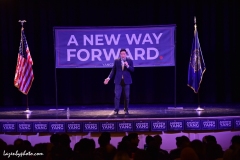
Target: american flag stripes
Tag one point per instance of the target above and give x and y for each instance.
(24, 72)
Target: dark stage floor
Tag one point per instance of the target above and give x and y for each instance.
(103, 112)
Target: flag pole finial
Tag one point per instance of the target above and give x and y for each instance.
(22, 21)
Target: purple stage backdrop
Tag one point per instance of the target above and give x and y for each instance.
(151, 46)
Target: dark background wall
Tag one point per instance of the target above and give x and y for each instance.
(218, 33)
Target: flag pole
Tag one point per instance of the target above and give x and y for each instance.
(27, 107)
(175, 75)
(199, 107)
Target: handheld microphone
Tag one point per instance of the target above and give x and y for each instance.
(124, 60)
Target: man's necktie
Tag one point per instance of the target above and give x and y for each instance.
(122, 65)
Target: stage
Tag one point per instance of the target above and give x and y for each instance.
(142, 117)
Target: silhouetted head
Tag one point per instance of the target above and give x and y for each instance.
(235, 139)
(64, 140)
(158, 140)
(54, 138)
(18, 143)
(148, 139)
(211, 139)
(133, 137)
(182, 141)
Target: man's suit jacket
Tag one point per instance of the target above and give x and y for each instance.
(118, 72)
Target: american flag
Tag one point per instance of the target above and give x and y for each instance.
(24, 72)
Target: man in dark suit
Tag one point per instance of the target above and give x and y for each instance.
(122, 69)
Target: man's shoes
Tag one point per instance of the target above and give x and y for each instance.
(115, 113)
(126, 112)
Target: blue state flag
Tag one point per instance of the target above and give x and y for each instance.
(196, 66)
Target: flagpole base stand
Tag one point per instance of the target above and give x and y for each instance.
(27, 111)
(175, 108)
(199, 109)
